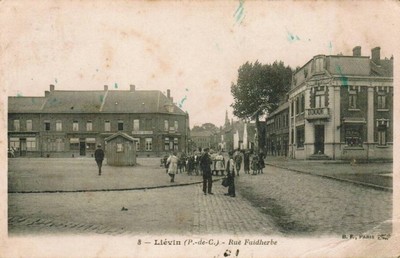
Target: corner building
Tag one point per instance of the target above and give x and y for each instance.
(341, 107)
(72, 123)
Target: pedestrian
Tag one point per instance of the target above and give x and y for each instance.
(173, 166)
(230, 170)
(246, 162)
(219, 164)
(99, 157)
(261, 163)
(166, 165)
(238, 162)
(255, 164)
(205, 165)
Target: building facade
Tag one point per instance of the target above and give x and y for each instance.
(71, 123)
(341, 107)
(277, 131)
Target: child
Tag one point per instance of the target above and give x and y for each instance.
(255, 164)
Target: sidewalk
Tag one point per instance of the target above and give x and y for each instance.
(376, 175)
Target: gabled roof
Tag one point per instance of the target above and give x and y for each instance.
(25, 104)
(121, 134)
(58, 101)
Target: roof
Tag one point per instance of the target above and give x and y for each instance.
(348, 65)
(25, 104)
(201, 134)
(58, 101)
(279, 109)
(121, 134)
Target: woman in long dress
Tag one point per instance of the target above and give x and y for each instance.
(219, 164)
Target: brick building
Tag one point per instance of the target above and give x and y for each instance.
(341, 107)
(71, 123)
(277, 131)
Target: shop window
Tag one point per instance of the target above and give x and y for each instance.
(149, 144)
(91, 144)
(75, 126)
(166, 144)
(74, 144)
(300, 137)
(16, 125)
(14, 143)
(175, 143)
(29, 125)
(30, 143)
(89, 126)
(353, 136)
(107, 126)
(58, 125)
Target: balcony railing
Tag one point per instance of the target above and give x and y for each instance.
(317, 113)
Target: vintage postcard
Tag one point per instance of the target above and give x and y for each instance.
(199, 129)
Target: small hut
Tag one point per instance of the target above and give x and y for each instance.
(120, 150)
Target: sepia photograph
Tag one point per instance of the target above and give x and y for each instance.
(199, 129)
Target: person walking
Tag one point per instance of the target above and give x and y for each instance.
(255, 164)
(238, 161)
(261, 164)
(205, 165)
(230, 170)
(173, 166)
(219, 164)
(246, 162)
(99, 157)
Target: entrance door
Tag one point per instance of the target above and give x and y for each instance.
(23, 147)
(82, 148)
(319, 139)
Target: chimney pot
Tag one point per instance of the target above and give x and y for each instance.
(46, 93)
(168, 93)
(376, 55)
(132, 87)
(51, 87)
(105, 87)
(357, 51)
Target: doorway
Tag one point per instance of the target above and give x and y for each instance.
(23, 147)
(319, 143)
(82, 148)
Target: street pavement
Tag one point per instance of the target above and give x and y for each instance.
(141, 200)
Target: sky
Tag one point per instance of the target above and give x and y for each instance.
(192, 48)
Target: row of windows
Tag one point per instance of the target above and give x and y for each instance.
(281, 121)
(146, 124)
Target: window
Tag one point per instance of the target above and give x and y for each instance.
(149, 144)
(137, 143)
(29, 125)
(89, 126)
(166, 144)
(353, 135)
(175, 143)
(292, 108)
(16, 125)
(319, 64)
(136, 125)
(75, 126)
(320, 100)
(107, 126)
(166, 126)
(353, 101)
(14, 143)
(58, 125)
(74, 144)
(300, 136)
(91, 144)
(120, 125)
(59, 145)
(176, 125)
(47, 126)
(297, 106)
(120, 147)
(381, 102)
(302, 104)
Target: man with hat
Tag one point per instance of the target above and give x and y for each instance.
(99, 157)
(205, 165)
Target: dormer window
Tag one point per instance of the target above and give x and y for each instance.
(319, 64)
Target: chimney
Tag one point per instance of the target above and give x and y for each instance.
(376, 55)
(168, 93)
(357, 51)
(46, 93)
(51, 87)
(105, 87)
(132, 87)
